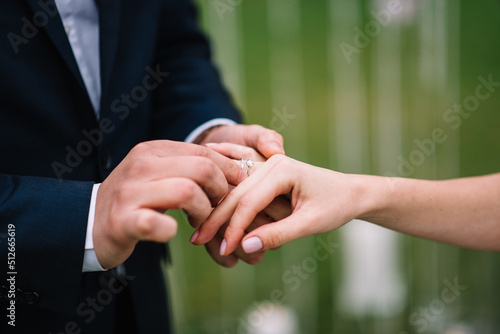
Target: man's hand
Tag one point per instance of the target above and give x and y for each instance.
(266, 142)
(153, 177)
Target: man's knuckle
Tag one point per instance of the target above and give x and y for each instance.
(126, 193)
(254, 258)
(145, 225)
(205, 169)
(256, 127)
(228, 262)
(141, 148)
(202, 151)
(186, 189)
(140, 166)
(267, 134)
(279, 159)
(248, 152)
(274, 134)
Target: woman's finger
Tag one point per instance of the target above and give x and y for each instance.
(274, 235)
(223, 212)
(253, 201)
(269, 181)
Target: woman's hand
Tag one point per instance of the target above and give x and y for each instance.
(321, 200)
(462, 212)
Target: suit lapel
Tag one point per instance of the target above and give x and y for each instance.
(55, 30)
(109, 25)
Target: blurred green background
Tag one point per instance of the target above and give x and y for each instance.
(355, 86)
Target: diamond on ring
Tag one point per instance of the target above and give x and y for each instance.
(245, 164)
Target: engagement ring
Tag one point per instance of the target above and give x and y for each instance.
(246, 164)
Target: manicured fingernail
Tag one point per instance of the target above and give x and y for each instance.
(211, 144)
(194, 236)
(276, 147)
(252, 245)
(223, 247)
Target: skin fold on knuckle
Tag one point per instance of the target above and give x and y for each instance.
(213, 183)
(246, 152)
(270, 135)
(124, 196)
(279, 160)
(274, 239)
(185, 191)
(256, 129)
(204, 168)
(202, 151)
(247, 208)
(140, 166)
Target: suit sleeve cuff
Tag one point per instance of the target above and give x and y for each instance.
(90, 261)
(207, 125)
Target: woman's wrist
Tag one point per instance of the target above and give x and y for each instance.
(373, 193)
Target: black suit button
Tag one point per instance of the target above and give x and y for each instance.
(105, 159)
(30, 298)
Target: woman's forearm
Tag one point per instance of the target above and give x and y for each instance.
(463, 212)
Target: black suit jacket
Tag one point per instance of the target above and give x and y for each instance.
(53, 149)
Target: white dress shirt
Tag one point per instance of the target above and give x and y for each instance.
(81, 22)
